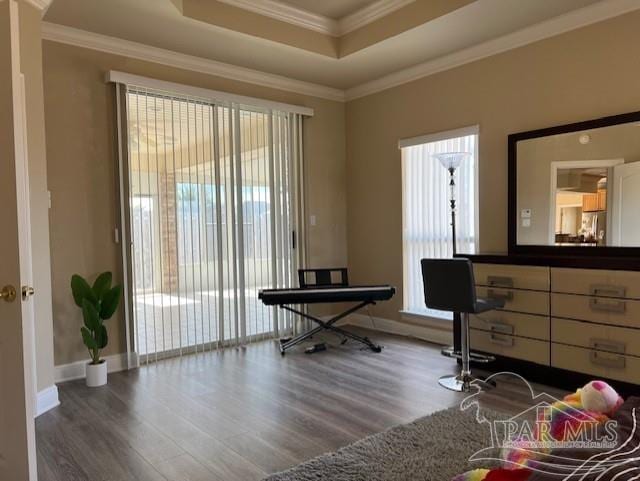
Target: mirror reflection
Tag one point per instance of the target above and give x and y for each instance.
(580, 209)
(580, 188)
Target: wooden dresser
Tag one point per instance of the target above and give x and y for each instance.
(559, 320)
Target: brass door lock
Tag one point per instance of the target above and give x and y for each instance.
(8, 293)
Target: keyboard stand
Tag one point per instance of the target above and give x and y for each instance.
(328, 325)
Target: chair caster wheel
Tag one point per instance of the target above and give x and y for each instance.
(376, 349)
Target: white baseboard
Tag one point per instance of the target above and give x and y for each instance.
(76, 370)
(46, 400)
(440, 333)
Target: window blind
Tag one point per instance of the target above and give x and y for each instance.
(214, 201)
(426, 211)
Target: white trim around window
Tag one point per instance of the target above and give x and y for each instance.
(437, 136)
(213, 96)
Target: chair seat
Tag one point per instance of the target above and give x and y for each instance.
(484, 305)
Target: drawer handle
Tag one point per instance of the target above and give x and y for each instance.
(618, 362)
(501, 340)
(499, 281)
(607, 306)
(501, 328)
(608, 345)
(507, 296)
(607, 291)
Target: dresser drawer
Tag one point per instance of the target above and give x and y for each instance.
(512, 323)
(528, 302)
(517, 277)
(619, 340)
(619, 312)
(517, 347)
(593, 282)
(597, 363)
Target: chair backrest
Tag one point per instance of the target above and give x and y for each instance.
(449, 284)
(336, 277)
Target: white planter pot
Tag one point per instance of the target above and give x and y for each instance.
(97, 374)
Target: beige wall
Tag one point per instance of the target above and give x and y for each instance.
(580, 75)
(31, 66)
(82, 163)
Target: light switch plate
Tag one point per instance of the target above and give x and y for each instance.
(312, 220)
(526, 222)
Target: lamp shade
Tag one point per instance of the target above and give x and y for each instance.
(452, 160)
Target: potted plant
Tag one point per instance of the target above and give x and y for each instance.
(98, 303)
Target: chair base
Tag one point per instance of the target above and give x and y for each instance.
(456, 383)
(460, 383)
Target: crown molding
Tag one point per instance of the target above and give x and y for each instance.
(40, 4)
(320, 23)
(117, 46)
(582, 17)
(289, 14)
(370, 14)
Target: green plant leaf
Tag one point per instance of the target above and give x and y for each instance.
(91, 316)
(88, 339)
(110, 302)
(102, 284)
(81, 290)
(102, 339)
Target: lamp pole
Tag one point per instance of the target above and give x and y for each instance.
(452, 201)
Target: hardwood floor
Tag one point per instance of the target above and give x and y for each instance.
(240, 414)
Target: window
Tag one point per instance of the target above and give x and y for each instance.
(426, 210)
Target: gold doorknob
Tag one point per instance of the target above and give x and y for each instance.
(8, 293)
(27, 291)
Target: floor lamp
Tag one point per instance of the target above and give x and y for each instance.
(452, 161)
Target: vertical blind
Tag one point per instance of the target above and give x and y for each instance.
(214, 205)
(427, 215)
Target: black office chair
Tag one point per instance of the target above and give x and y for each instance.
(449, 286)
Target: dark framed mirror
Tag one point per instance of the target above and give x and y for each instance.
(574, 189)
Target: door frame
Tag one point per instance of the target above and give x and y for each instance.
(615, 202)
(556, 165)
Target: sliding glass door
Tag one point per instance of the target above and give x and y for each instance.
(213, 207)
